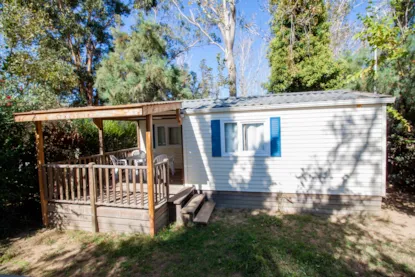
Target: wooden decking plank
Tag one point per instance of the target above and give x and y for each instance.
(204, 214)
(193, 204)
(181, 195)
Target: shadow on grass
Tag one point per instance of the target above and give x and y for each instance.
(401, 202)
(238, 243)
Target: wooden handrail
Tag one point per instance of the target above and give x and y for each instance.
(96, 156)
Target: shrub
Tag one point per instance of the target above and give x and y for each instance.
(401, 152)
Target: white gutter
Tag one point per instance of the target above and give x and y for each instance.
(370, 101)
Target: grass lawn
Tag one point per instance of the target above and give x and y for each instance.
(235, 243)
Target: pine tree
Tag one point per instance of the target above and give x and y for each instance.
(140, 69)
(300, 57)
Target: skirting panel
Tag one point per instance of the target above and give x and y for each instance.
(110, 219)
(296, 203)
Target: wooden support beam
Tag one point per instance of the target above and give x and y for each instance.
(150, 171)
(92, 194)
(138, 134)
(40, 163)
(178, 117)
(100, 124)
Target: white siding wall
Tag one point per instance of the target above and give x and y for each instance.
(175, 151)
(329, 150)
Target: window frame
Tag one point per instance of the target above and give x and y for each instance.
(166, 132)
(157, 135)
(240, 151)
(168, 136)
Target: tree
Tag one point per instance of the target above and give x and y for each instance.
(207, 83)
(139, 69)
(300, 57)
(59, 43)
(342, 30)
(390, 32)
(250, 62)
(209, 19)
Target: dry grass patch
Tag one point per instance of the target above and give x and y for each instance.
(235, 243)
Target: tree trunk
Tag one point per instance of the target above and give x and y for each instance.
(229, 36)
(230, 64)
(90, 94)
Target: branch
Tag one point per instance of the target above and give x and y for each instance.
(193, 44)
(193, 22)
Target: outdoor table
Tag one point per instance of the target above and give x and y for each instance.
(142, 161)
(137, 158)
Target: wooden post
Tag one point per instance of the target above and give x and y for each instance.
(167, 179)
(150, 171)
(40, 163)
(92, 194)
(178, 117)
(99, 123)
(138, 133)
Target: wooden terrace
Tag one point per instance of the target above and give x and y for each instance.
(90, 193)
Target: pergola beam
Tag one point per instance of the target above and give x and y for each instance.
(120, 112)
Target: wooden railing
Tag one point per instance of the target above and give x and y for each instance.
(119, 185)
(101, 158)
(161, 181)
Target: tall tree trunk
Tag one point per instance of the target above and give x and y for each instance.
(90, 94)
(228, 33)
(230, 65)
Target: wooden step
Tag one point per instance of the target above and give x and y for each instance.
(193, 204)
(205, 212)
(179, 197)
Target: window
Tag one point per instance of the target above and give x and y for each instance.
(161, 136)
(253, 137)
(174, 136)
(168, 135)
(244, 138)
(231, 137)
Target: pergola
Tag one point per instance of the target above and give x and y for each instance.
(132, 112)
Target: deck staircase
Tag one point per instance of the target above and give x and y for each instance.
(189, 206)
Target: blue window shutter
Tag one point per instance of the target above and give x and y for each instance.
(215, 133)
(275, 139)
(154, 137)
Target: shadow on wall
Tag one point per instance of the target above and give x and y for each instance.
(351, 155)
(336, 181)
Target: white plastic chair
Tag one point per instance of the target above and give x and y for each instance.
(141, 157)
(116, 161)
(162, 157)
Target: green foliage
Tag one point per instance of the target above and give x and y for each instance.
(117, 135)
(300, 57)
(139, 69)
(393, 36)
(18, 174)
(57, 44)
(401, 152)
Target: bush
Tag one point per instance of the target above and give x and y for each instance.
(401, 152)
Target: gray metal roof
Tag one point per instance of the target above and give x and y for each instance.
(281, 98)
